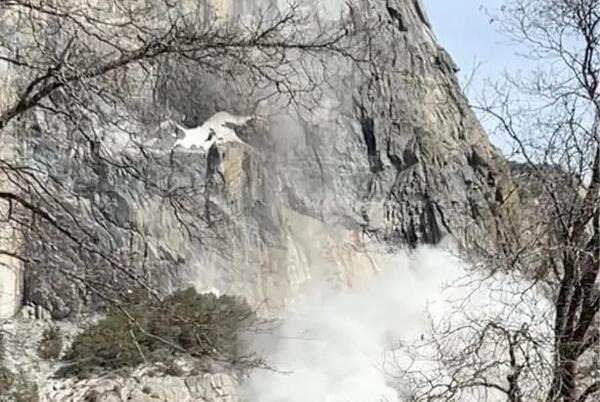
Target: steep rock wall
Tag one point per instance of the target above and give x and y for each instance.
(11, 267)
(390, 159)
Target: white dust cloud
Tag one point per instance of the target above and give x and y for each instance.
(331, 347)
(343, 347)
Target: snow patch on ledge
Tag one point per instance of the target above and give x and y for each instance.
(218, 129)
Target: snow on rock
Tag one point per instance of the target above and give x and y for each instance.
(218, 129)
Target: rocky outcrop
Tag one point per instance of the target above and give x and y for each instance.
(11, 267)
(149, 383)
(549, 196)
(145, 386)
(392, 159)
(383, 160)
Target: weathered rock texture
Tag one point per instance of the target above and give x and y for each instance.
(146, 387)
(148, 383)
(548, 195)
(11, 267)
(389, 159)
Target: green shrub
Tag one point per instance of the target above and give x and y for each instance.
(17, 388)
(142, 329)
(51, 343)
(7, 379)
(24, 390)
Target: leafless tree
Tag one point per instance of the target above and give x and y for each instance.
(83, 79)
(551, 116)
(88, 90)
(493, 342)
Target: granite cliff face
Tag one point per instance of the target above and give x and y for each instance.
(390, 159)
(387, 159)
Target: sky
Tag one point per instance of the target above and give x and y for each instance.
(464, 29)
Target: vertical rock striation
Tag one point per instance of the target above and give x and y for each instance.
(387, 159)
